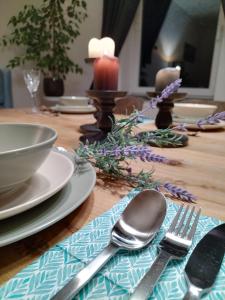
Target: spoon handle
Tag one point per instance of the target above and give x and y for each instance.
(146, 285)
(82, 278)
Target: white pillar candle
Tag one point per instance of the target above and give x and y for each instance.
(165, 76)
(98, 48)
(94, 48)
(108, 46)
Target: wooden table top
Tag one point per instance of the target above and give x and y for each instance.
(202, 173)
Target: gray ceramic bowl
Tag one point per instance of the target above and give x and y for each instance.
(193, 110)
(23, 148)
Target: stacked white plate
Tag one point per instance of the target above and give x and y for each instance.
(74, 105)
(55, 190)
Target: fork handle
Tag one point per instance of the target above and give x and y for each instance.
(146, 285)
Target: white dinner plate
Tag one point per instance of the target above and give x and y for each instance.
(73, 109)
(49, 212)
(52, 99)
(53, 175)
(191, 124)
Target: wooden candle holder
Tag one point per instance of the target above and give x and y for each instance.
(164, 117)
(104, 102)
(92, 128)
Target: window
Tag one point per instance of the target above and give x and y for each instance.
(184, 33)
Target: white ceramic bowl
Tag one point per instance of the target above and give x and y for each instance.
(193, 110)
(23, 148)
(74, 100)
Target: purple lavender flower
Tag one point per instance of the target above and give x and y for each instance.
(162, 159)
(143, 152)
(180, 127)
(129, 151)
(171, 88)
(168, 91)
(179, 192)
(157, 158)
(212, 119)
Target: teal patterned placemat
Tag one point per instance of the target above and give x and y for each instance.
(117, 280)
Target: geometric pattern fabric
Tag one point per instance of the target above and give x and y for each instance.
(119, 277)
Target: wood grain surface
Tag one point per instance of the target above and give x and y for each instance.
(202, 172)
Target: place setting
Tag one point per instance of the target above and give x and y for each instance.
(104, 191)
(40, 184)
(73, 105)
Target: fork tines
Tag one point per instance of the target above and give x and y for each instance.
(185, 222)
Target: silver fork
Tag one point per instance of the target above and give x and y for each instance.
(175, 245)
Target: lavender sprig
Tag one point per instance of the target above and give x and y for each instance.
(143, 152)
(109, 156)
(179, 192)
(212, 119)
(168, 91)
(128, 151)
(162, 159)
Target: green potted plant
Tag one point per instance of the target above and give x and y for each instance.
(46, 34)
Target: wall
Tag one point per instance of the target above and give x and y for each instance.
(75, 84)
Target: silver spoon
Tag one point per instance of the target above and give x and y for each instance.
(136, 227)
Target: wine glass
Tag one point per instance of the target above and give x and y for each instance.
(32, 81)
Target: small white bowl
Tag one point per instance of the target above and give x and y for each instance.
(193, 110)
(23, 148)
(74, 100)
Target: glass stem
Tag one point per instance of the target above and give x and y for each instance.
(35, 107)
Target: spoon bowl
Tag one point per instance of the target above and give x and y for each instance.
(136, 227)
(140, 221)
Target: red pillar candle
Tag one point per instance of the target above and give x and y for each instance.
(106, 71)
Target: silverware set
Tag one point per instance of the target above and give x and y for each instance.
(175, 245)
(132, 232)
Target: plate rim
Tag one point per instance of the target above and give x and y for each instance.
(195, 105)
(15, 210)
(65, 109)
(89, 171)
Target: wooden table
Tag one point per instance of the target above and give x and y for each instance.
(202, 172)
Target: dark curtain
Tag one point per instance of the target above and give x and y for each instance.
(154, 13)
(117, 18)
(223, 3)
